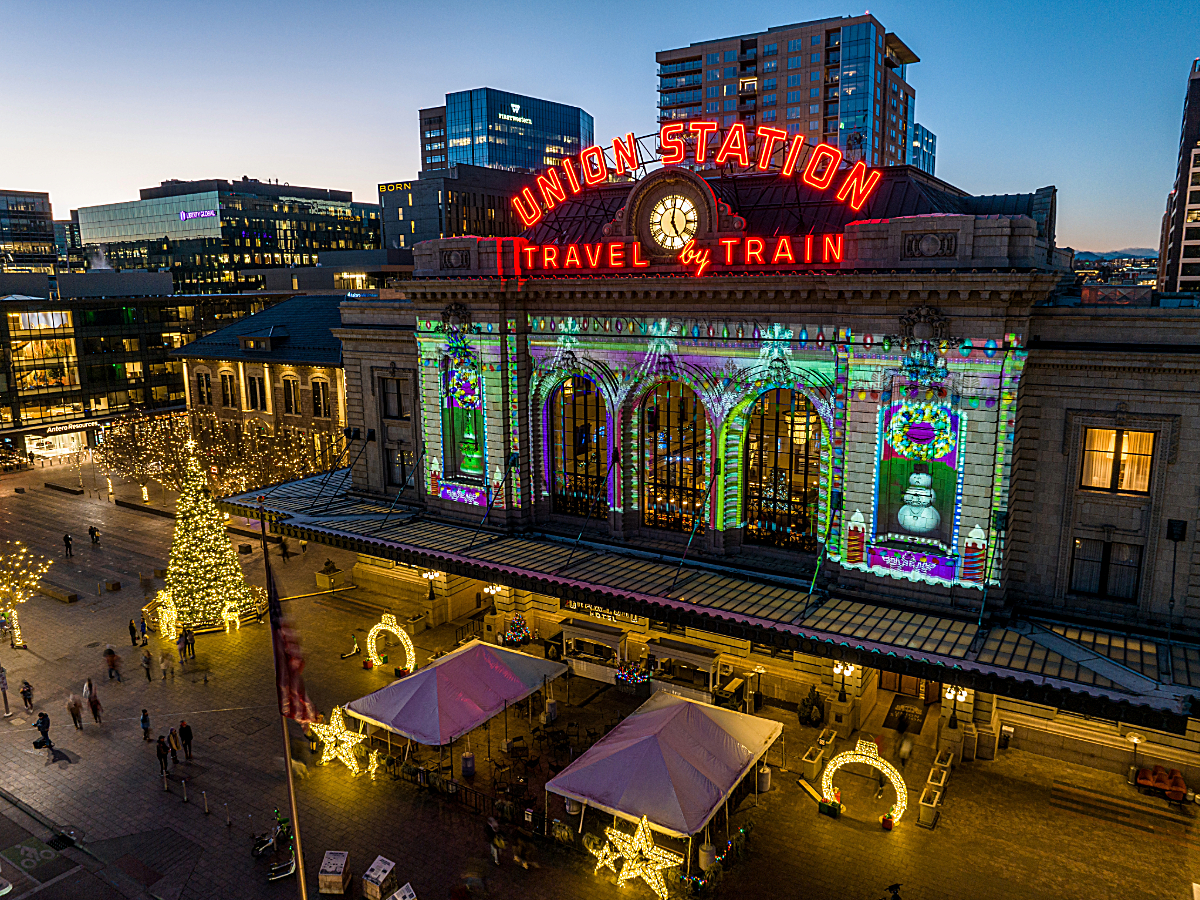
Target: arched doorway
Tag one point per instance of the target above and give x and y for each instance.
(782, 469)
(578, 449)
(674, 449)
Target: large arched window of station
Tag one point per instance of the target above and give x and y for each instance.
(578, 449)
(781, 471)
(674, 448)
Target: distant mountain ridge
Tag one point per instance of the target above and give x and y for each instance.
(1128, 253)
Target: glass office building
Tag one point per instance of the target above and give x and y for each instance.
(924, 149)
(487, 127)
(219, 236)
(26, 232)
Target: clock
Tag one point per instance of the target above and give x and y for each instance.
(673, 221)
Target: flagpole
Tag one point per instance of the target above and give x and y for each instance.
(287, 741)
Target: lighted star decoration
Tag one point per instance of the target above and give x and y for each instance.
(338, 741)
(389, 624)
(642, 858)
(605, 858)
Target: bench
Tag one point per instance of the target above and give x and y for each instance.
(1159, 781)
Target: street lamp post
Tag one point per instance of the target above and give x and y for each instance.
(430, 577)
(957, 695)
(843, 669)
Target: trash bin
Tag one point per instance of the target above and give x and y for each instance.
(468, 764)
(764, 779)
(1006, 735)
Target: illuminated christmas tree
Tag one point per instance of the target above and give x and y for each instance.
(518, 631)
(205, 586)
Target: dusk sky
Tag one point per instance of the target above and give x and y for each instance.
(102, 99)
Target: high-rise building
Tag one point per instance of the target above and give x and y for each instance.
(26, 232)
(923, 153)
(841, 81)
(1179, 251)
(449, 202)
(500, 130)
(215, 236)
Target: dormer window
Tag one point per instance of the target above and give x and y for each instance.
(260, 344)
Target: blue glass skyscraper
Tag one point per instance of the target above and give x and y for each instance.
(500, 130)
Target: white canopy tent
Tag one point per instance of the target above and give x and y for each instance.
(456, 693)
(673, 760)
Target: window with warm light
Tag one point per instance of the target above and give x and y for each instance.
(1117, 460)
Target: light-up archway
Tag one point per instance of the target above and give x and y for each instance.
(867, 752)
(388, 623)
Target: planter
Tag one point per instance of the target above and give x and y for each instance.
(927, 809)
(944, 759)
(327, 582)
(812, 763)
(640, 689)
(937, 779)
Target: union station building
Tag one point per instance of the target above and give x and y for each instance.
(751, 425)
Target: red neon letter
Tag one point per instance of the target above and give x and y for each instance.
(822, 152)
(783, 251)
(552, 190)
(530, 255)
(767, 138)
(702, 130)
(734, 145)
(808, 248)
(625, 153)
(549, 257)
(595, 169)
(793, 156)
(527, 209)
(833, 248)
(616, 256)
(572, 260)
(637, 261)
(593, 261)
(729, 244)
(754, 250)
(669, 139)
(858, 185)
(572, 178)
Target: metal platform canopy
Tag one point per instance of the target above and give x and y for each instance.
(767, 609)
(610, 636)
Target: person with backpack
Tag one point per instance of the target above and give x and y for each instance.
(43, 726)
(27, 695)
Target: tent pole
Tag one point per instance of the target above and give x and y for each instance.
(546, 816)
(505, 721)
(582, 813)
(689, 865)
(727, 820)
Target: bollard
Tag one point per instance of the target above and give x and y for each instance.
(184, 780)
(228, 821)
(165, 787)
(204, 794)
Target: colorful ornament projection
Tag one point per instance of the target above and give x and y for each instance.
(921, 431)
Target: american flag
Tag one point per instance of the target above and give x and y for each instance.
(289, 663)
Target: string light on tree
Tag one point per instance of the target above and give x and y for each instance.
(20, 571)
(338, 741)
(642, 858)
(204, 578)
(518, 631)
(388, 623)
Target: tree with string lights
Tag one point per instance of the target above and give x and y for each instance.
(20, 571)
(205, 584)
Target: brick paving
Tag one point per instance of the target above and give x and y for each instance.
(1020, 826)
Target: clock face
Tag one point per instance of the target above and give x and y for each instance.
(673, 221)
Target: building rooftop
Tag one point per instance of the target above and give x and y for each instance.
(177, 188)
(298, 330)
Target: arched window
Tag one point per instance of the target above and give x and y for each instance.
(780, 478)
(674, 448)
(462, 423)
(578, 449)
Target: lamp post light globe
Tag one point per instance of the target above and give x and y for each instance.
(843, 669)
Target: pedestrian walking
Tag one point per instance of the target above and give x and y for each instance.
(163, 752)
(166, 661)
(93, 702)
(133, 632)
(94, 534)
(145, 723)
(906, 747)
(75, 708)
(191, 642)
(185, 736)
(142, 629)
(113, 660)
(43, 726)
(27, 695)
(4, 690)
(147, 662)
(173, 743)
(181, 646)
(495, 839)
(67, 545)
(284, 550)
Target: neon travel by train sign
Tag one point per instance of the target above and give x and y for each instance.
(776, 151)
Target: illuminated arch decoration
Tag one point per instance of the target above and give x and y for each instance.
(867, 752)
(388, 623)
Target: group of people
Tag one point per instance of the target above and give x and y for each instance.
(93, 533)
(74, 706)
(169, 744)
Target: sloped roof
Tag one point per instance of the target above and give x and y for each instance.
(300, 330)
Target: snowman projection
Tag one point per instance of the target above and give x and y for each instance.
(918, 514)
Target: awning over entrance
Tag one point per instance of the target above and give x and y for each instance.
(609, 636)
(767, 609)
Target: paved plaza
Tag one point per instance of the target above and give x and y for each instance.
(1019, 826)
